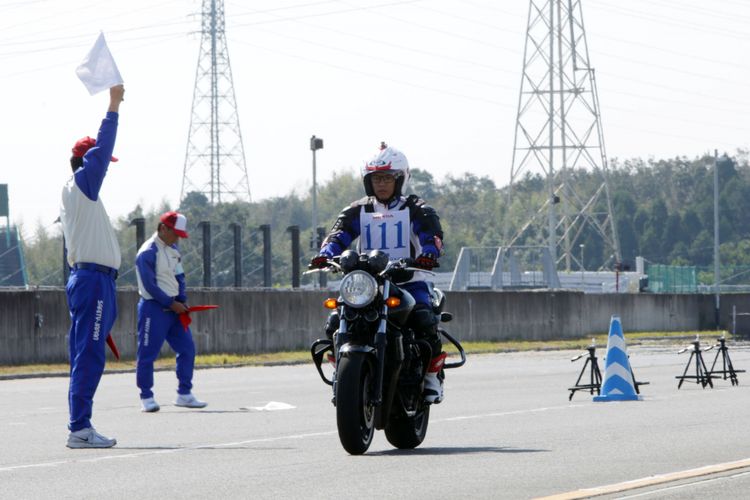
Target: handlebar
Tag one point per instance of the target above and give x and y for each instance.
(403, 265)
(333, 266)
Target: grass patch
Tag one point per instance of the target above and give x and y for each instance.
(296, 357)
(640, 338)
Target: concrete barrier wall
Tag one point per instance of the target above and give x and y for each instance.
(34, 323)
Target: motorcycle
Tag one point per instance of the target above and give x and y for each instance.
(379, 364)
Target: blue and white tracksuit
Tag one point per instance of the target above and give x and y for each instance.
(161, 281)
(403, 228)
(90, 242)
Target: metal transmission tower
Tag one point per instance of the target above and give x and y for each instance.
(215, 156)
(558, 128)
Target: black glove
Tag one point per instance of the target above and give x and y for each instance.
(426, 261)
(318, 262)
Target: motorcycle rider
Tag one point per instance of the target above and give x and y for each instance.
(403, 227)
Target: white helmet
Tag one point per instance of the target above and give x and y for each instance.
(389, 161)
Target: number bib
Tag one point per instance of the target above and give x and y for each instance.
(389, 232)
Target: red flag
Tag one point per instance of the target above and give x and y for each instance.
(185, 318)
(201, 308)
(113, 346)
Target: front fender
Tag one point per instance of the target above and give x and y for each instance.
(352, 348)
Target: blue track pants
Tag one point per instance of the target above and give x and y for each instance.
(93, 308)
(155, 325)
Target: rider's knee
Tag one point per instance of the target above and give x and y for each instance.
(424, 322)
(423, 318)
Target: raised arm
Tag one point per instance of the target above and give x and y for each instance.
(96, 160)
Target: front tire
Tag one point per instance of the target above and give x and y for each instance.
(406, 433)
(355, 414)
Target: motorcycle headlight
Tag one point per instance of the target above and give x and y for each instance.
(358, 289)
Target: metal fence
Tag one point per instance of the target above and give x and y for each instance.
(498, 268)
(672, 279)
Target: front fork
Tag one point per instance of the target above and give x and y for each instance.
(341, 338)
(381, 343)
(380, 348)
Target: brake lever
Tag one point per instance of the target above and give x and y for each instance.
(333, 267)
(389, 268)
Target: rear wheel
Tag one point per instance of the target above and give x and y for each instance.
(408, 432)
(355, 414)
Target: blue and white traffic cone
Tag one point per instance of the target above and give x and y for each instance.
(618, 376)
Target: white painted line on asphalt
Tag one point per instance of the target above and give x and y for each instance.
(508, 413)
(265, 440)
(270, 406)
(650, 481)
(161, 452)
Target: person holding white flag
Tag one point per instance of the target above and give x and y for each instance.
(93, 255)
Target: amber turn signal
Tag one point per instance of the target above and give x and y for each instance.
(330, 304)
(393, 302)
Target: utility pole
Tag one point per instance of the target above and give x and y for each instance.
(717, 273)
(316, 143)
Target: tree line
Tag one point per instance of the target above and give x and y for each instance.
(663, 210)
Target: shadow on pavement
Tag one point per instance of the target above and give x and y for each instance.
(457, 451)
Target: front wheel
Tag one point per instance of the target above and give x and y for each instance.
(355, 414)
(406, 433)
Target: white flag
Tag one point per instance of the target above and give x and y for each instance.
(98, 70)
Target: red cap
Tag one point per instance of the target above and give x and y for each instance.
(176, 222)
(84, 145)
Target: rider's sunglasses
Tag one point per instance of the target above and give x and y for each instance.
(383, 179)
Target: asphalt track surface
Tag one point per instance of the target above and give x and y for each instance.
(505, 430)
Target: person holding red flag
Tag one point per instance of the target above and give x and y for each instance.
(161, 285)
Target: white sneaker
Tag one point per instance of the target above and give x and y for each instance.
(89, 438)
(189, 401)
(433, 388)
(149, 405)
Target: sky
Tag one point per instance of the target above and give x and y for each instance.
(438, 79)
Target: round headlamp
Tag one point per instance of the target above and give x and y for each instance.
(358, 289)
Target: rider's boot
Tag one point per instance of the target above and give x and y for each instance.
(424, 321)
(433, 383)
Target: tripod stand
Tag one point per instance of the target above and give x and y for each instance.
(596, 376)
(702, 375)
(726, 363)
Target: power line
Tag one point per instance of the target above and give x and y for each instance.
(662, 49)
(330, 13)
(87, 43)
(689, 106)
(442, 31)
(72, 62)
(82, 22)
(87, 37)
(673, 22)
(403, 47)
(375, 75)
(683, 6)
(370, 57)
(276, 9)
